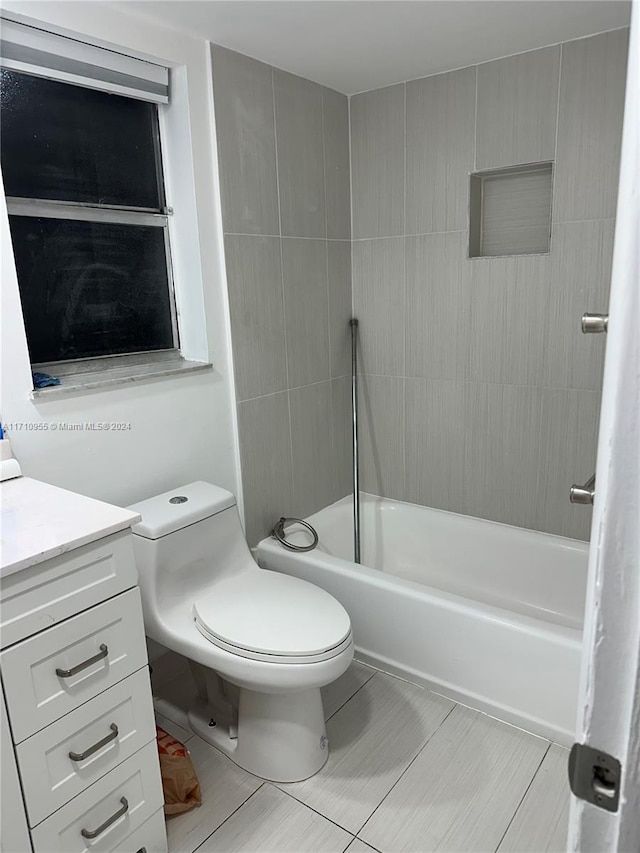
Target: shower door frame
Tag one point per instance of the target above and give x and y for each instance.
(609, 703)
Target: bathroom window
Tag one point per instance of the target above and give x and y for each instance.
(82, 172)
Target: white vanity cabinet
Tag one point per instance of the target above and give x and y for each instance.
(80, 768)
(14, 832)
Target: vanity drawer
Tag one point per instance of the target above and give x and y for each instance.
(151, 837)
(38, 597)
(59, 669)
(51, 776)
(114, 807)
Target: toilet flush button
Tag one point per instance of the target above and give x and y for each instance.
(179, 499)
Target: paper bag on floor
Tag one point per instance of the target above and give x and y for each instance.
(179, 780)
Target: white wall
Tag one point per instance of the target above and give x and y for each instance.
(182, 428)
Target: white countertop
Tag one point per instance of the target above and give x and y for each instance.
(40, 521)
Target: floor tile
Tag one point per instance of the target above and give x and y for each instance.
(334, 695)
(372, 738)
(224, 788)
(541, 822)
(463, 789)
(358, 846)
(182, 734)
(273, 822)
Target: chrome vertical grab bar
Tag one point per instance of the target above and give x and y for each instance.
(354, 428)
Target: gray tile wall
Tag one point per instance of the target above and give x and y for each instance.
(477, 378)
(283, 152)
(481, 395)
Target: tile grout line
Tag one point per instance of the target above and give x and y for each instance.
(368, 843)
(333, 436)
(285, 236)
(334, 471)
(355, 693)
(517, 809)
(404, 305)
(474, 382)
(292, 796)
(326, 242)
(553, 223)
(284, 306)
(557, 133)
(324, 166)
(228, 817)
(475, 129)
(297, 388)
(415, 758)
(173, 723)
(481, 258)
(184, 742)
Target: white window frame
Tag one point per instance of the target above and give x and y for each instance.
(191, 351)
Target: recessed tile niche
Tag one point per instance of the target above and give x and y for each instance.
(510, 211)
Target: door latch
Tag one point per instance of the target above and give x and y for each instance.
(594, 776)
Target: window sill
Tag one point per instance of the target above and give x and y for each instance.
(97, 374)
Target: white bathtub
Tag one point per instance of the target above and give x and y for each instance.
(486, 614)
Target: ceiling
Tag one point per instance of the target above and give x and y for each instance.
(355, 45)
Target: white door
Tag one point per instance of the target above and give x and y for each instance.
(609, 715)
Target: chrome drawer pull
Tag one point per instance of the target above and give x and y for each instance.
(94, 833)
(67, 673)
(80, 756)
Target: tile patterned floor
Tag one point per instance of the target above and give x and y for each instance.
(408, 771)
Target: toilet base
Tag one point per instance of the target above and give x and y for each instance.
(281, 737)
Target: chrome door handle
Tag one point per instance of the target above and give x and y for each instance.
(67, 673)
(94, 833)
(583, 494)
(593, 324)
(80, 756)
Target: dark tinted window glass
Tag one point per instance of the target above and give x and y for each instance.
(72, 144)
(91, 288)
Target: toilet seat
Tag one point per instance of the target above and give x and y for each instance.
(272, 617)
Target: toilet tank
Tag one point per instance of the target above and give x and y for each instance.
(187, 537)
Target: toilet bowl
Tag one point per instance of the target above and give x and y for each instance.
(260, 644)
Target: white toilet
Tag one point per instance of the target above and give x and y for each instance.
(261, 644)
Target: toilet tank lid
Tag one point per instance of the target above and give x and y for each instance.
(180, 507)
